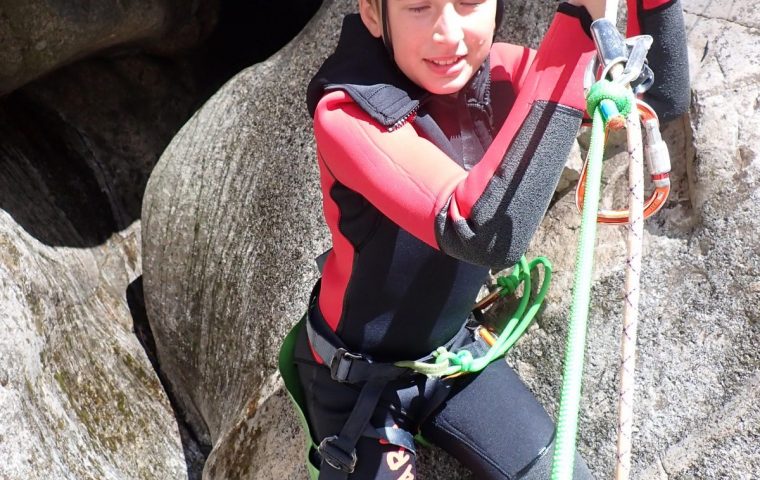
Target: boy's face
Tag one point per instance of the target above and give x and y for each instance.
(440, 44)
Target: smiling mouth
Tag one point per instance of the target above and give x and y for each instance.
(446, 62)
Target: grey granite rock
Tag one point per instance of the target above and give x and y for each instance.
(38, 36)
(696, 403)
(238, 183)
(78, 397)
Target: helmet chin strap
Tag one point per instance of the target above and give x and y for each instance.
(387, 27)
(499, 14)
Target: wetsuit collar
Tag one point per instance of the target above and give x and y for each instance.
(361, 66)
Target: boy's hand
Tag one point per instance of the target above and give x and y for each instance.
(595, 7)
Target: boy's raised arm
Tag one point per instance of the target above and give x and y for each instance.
(487, 215)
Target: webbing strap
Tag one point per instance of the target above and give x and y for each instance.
(394, 436)
(339, 451)
(295, 392)
(345, 366)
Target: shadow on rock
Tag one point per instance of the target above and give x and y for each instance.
(78, 145)
(195, 451)
(49, 183)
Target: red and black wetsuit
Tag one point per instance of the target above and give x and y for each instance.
(422, 195)
(419, 213)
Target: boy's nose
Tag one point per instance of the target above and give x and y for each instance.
(448, 27)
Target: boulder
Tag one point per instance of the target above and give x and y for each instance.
(231, 223)
(78, 396)
(240, 184)
(38, 36)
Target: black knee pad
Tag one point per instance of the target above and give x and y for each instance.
(541, 468)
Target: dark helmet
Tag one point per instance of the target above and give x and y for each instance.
(387, 32)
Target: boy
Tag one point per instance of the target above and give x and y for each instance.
(439, 153)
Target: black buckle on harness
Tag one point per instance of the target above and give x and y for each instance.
(335, 456)
(340, 366)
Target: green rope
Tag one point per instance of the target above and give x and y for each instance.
(613, 92)
(608, 102)
(451, 363)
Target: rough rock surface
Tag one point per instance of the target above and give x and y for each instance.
(38, 36)
(239, 184)
(78, 397)
(231, 223)
(698, 369)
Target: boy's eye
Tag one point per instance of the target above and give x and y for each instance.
(424, 7)
(418, 9)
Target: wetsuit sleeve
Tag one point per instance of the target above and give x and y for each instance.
(488, 215)
(668, 58)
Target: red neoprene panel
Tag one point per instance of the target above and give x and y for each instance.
(555, 75)
(337, 268)
(632, 27)
(650, 4)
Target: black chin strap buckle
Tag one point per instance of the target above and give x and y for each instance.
(335, 456)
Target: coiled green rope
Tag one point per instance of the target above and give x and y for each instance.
(608, 103)
(451, 363)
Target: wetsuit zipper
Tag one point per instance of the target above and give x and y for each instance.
(406, 118)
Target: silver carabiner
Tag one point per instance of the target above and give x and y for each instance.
(612, 50)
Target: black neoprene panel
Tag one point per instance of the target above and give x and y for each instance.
(668, 57)
(504, 220)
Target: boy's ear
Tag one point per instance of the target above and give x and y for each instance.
(371, 17)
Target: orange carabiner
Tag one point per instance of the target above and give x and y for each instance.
(658, 161)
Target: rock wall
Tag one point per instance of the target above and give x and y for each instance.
(38, 36)
(237, 270)
(78, 396)
(80, 393)
(238, 183)
(230, 228)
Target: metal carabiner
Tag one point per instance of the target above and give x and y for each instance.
(613, 50)
(637, 73)
(658, 162)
